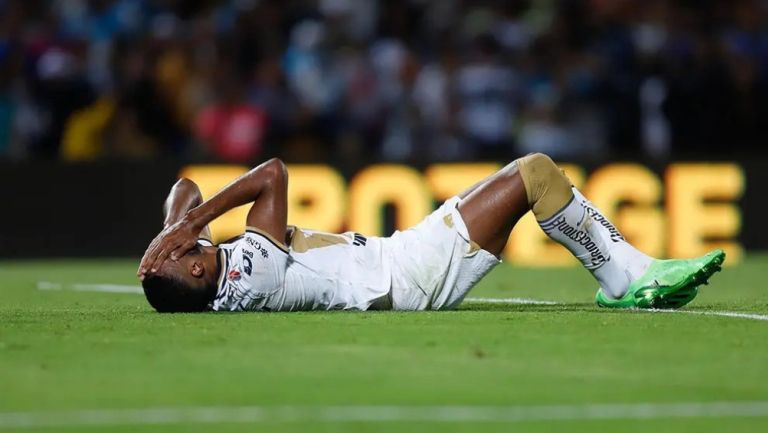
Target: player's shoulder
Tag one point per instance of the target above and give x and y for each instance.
(229, 243)
(262, 242)
(254, 248)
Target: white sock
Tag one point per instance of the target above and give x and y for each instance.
(598, 245)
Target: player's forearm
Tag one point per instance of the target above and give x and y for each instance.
(245, 189)
(184, 195)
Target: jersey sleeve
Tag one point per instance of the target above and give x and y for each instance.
(203, 242)
(259, 262)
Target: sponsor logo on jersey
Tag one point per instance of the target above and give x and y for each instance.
(257, 246)
(234, 275)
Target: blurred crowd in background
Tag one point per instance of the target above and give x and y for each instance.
(389, 80)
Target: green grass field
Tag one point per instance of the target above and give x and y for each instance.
(488, 367)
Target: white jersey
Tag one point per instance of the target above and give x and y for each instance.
(431, 266)
(318, 271)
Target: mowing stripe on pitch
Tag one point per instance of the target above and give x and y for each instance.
(118, 288)
(342, 414)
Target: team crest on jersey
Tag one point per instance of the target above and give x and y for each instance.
(234, 275)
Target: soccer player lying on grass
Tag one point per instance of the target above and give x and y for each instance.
(431, 266)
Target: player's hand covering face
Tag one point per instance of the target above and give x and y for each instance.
(174, 241)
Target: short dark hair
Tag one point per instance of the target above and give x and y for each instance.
(171, 294)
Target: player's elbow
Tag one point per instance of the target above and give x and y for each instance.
(276, 171)
(184, 182)
(188, 187)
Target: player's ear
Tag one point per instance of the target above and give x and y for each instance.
(196, 269)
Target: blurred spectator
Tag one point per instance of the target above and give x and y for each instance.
(232, 129)
(59, 88)
(487, 96)
(83, 137)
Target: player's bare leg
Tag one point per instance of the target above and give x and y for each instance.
(627, 277)
(491, 208)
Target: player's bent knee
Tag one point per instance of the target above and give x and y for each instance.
(547, 187)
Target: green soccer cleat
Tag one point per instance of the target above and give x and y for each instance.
(667, 283)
